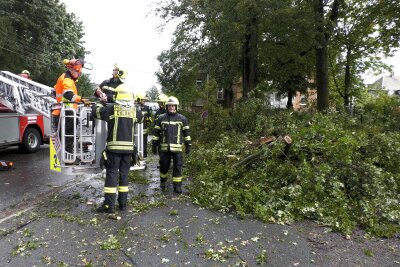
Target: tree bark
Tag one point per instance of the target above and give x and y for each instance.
(347, 81)
(250, 62)
(323, 28)
(261, 154)
(289, 104)
(321, 78)
(228, 97)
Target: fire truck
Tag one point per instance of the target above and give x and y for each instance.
(24, 112)
(26, 120)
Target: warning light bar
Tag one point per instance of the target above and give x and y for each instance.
(6, 165)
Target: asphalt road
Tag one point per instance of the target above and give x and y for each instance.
(29, 179)
(158, 229)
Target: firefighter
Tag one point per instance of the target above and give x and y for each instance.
(170, 132)
(121, 117)
(147, 120)
(162, 98)
(26, 74)
(67, 92)
(105, 91)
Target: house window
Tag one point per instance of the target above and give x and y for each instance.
(199, 83)
(220, 94)
(303, 101)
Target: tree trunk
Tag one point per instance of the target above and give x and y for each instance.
(261, 154)
(322, 79)
(250, 62)
(347, 81)
(228, 97)
(289, 104)
(321, 58)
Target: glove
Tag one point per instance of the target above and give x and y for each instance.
(86, 102)
(104, 160)
(188, 148)
(154, 150)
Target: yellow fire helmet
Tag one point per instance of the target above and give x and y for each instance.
(140, 96)
(122, 74)
(26, 72)
(123, 93)
(162, 98)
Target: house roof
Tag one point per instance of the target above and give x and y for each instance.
(389, 83)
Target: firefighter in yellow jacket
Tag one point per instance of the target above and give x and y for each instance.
(170, 132)
(121, 117)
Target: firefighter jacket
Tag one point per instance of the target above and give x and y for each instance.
(121, 121)
(159, 112)
(170, 131)
(106, 85)
(146, 117)
(66, 91)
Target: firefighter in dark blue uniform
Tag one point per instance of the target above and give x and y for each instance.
(106, 90)
(162, 98)
(121, 117)
(170, 132)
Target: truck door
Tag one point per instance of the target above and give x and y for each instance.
(9, 132)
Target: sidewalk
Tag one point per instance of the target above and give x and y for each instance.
(161, 229)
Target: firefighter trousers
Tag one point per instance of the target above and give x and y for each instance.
(117, 175)
(165, 161)
(145, 136)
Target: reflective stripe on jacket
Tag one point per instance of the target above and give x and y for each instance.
(171, 131)
(66, 91)
(121, 126)
(110, 83)
(146, 118)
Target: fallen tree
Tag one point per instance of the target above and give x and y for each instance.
(264, 143)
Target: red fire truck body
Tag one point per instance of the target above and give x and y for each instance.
(28, 131)
(24, 112)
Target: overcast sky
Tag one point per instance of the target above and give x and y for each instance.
(394, 61)
(123, 32)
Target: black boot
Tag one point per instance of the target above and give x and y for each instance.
(105, 209)
(122, 200)
(163, 184)
(177, 187)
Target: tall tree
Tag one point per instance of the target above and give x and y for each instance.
(366, 31)
(240, 40)
(287, 50)
(250, 46)
(219, 36)
(152, 94)
(325, 17)
(37, 35)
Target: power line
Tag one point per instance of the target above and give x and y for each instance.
(30, 56)
(24, 44)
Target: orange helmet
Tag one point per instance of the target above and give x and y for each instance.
(74, 64)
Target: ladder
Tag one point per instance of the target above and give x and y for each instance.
(20, 94)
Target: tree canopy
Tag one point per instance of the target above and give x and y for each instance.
(37, 35)
(277, 45)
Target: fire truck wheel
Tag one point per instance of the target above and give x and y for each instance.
(31, 141)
